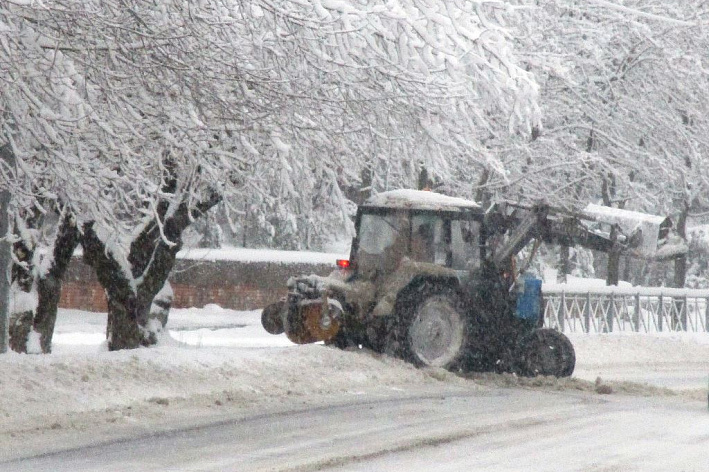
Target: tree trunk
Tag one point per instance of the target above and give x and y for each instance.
(151, 259)
(123, 324)
(608, 191)
(424, 182)
(48, 287)
(613, 273)
(680, 272)
(211, 233)
(482, 194)
(564, 264)
(20, 322)
(19, 330)
(627, 273)
(7, 157)
(160, 308)
(365, 191)
(613, 276)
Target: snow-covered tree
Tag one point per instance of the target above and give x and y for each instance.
(623, 94)
(378, 89)
(136, 117)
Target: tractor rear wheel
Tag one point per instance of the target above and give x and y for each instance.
(431, 328)
(546, 352)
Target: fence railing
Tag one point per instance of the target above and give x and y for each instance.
(610, 309)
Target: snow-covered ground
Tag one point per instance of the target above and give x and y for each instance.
(216, 360)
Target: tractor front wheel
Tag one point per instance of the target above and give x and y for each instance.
(546, 352)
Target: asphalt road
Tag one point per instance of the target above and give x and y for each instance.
(451, 430)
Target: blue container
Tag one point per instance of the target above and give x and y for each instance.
(529, 298)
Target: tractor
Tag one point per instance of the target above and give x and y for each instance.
(432, 279)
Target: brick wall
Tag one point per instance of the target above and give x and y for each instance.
(230, 284)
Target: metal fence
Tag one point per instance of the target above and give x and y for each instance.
(611, 309)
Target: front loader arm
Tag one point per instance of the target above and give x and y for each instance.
(636, 234)
(571, 231)
(531, 226)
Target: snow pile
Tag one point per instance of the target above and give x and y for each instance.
(679, 361)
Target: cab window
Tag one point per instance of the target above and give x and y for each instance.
(429, 241)
(465, 244)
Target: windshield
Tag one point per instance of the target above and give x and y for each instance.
(383, 241)
(379, 232)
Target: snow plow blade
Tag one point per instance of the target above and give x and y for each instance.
(305, 321)
(310, 321)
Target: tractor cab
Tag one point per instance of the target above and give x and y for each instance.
(419, 227)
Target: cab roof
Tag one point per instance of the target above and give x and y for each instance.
(420, 200)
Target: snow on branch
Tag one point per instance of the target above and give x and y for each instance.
(641, 14)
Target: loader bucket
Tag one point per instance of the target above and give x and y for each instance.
(310, 321)
(645, 232)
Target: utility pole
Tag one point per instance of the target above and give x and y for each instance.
(7, 158)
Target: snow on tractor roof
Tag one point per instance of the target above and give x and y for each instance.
(419, 200)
